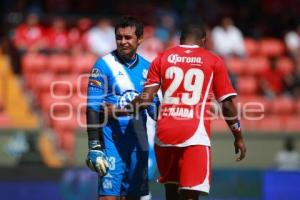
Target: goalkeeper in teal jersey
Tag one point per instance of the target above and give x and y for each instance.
(118, 143)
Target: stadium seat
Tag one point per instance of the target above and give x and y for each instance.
(249, 125)
(256, 65)
(247, 85)
(59, 63)
(82, 63)
(251, 47)
(292, 124)
(272, 47)
(5, 121)
(219, 126)
(34, 62)
(42, 82)
(252, 104)
(297, 105)
(78, 104)
(283, 106)
(271, 124)
(285, 65)
(65, 124)
(235, 65)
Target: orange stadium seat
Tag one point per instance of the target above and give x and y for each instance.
(247, 85)
(285, 65)
(251, 47)
(34, 62)
(283, 106)
(256, 65)
(272, 47)
(235, 65)
(59, 63)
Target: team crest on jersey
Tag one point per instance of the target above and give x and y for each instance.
(145, 73)
(95, 73)
(127, 97)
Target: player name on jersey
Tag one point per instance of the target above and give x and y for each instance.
(178, 112)
(175, 58)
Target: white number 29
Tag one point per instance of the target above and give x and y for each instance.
(195, 87)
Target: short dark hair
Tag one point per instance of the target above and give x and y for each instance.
(128, 21)
(191, 30)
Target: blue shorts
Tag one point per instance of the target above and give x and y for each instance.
(127, 174)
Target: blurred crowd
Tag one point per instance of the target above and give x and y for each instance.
(226, 39)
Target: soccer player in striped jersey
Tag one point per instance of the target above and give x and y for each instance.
(118, 144)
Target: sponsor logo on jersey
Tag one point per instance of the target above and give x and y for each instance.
(95, 73)
(178, 112)
(93, 82)
(120, 74)
(175, 58)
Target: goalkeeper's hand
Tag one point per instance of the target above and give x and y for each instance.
(96, 159)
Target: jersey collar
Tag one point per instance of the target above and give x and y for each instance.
(130, 64)
(189, 46)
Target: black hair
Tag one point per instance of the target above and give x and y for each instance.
(195, 31)
(128, 21)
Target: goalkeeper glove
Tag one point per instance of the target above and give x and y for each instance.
(96, 159)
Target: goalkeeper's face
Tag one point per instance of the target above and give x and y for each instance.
(127, 42)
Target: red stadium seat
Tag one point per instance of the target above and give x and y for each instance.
(247, 85)
(219, 126)
(283, 106)
(272, 47)
(82, 63)
(65, 123)
(298, 106)
(285, 65)
(249, 125)
(5, 121)
(292, 124)
(271, 124)
(256, 65)
(59, 63)
(42, 82)
(251, 105)
(34, 62)
(251, 47)
(235, 65)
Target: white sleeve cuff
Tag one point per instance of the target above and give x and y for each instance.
(222, 98)
(150, 85)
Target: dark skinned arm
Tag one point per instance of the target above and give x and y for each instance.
(230, 115)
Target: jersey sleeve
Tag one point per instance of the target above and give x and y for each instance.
(97, 86)
(154, 76)
(222, 86)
